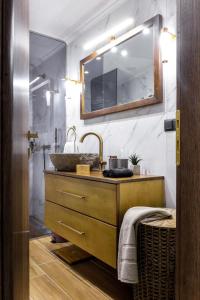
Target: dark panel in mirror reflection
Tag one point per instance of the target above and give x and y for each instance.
(103, 91)
(128, 75)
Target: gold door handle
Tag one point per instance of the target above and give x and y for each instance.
(71, 228)
(32, 135)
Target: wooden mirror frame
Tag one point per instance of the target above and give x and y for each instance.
(156, 23)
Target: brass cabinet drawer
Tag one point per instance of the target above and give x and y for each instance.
(95, 199)
(95, 237)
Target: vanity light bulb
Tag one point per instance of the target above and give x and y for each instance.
(113, 31)
(114, 50)
(68, 90)
(86, 72)
(34, 80)
(98, 58)
(167, 44)
(48, 98)
(124, 53)
(146, 30)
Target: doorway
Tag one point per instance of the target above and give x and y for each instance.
(14, 229)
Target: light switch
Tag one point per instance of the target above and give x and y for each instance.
(170, 125)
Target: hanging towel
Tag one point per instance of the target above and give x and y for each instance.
(127, 250)
(69, 147)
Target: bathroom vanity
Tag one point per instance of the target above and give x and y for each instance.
(88, 210)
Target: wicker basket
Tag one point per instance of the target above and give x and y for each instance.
(156, 260)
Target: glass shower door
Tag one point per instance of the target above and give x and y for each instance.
(47, 117)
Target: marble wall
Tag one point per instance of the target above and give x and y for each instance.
(141, 130)
(140, 86)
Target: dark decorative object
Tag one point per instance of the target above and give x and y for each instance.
(104, 91)
(117, 173)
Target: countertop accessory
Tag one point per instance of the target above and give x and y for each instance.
(135, 159)
(122, 163)
(83, 169)
(117, 173)
(118, 163)
(112, 161)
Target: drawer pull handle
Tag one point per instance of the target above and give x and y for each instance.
(72, 195)
(71, 228)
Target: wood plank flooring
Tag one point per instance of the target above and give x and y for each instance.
(53, 279)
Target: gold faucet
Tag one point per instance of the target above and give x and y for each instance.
(101, 162)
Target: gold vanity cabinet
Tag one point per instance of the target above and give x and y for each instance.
(88, 210)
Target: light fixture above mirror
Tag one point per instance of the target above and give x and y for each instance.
(124, 74)
(110, 34)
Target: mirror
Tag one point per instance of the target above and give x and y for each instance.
(125, 76)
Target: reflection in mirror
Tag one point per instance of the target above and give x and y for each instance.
(122, 75)
(128, 75)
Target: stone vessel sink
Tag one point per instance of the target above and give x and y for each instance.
(68, 161)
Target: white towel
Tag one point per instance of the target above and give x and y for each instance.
(127, 251)
(69, 147)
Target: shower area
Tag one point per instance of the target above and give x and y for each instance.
(47, 118)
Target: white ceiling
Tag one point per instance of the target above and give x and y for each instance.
(66, 19)
(42, 47)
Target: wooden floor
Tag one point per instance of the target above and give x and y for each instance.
(53, 279)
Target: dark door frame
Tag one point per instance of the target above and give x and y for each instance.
(5, 151)
(188, 173)
(14, 91)
(14, 224)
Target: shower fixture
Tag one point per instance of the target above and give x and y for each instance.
(43, 76)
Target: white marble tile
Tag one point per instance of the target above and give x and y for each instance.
(141, 130)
